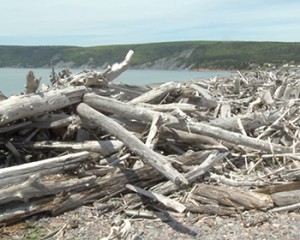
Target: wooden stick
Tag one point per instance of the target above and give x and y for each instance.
(168, 202)
(105, 148)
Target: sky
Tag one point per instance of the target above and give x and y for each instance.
(110, 22)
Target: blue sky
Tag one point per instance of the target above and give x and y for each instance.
(108, 22)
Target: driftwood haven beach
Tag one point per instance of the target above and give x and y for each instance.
(221, 147)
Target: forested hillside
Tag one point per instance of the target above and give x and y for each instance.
(168, 55)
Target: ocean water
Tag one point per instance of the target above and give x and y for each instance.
(12, 80)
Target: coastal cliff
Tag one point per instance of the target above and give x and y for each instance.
(169, 55)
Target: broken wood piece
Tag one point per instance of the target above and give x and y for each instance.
(147, 214)
(32, 83)
(234, 197)
(168, 202)
(151, 140)
(286, 198)
(286, 208)
(206, 98)
(157, 161)
(243, 78)
(117, 68)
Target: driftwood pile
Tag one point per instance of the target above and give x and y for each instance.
(217, 146)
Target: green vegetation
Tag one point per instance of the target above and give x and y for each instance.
(169, 55)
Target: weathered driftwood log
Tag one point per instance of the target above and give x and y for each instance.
(234, 197)
(156, 160)
(146, 115)
(105, 148)
(19, 107)
(35, 188)
(20, 173)
(157, 94)
(286, 198)
(168, 202)
(116, 69)
(32, 83)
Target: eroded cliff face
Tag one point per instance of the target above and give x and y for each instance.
(177, 62)
(168, 63)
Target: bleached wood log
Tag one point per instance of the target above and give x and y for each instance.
(117, 68)
(105, 148)
(157, 94)
(23, 106)
(20, 173)
(35, 188)
(168, 202)
(142, 114)
(286, 198)
(157, 161)
(234, 197)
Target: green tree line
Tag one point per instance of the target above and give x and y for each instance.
(190, 54)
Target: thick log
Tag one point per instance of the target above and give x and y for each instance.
(49, 166)
(34, 188)
(286, 198)
(105, 148)
(234, 197)
(19, 107)
(156, 160)
(146, 115)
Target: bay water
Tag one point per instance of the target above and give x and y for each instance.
(13, 80)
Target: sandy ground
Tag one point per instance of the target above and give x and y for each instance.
(87, 223)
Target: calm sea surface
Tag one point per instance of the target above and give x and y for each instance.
(12, 80)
